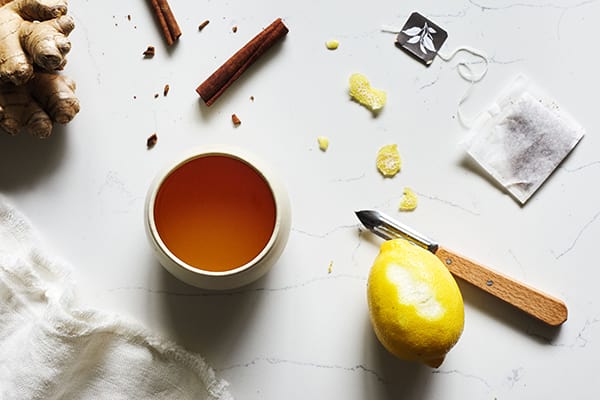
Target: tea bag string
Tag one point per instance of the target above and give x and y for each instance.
(464, 71)
(467, 72)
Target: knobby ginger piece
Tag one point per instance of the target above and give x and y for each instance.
(33, 32)
(33, 48)
(362, 92)
(33, 107)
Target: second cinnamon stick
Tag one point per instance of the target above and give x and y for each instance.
(166, 20)
(232, 69)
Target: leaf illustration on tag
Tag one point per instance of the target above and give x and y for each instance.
(421, 38)
(413, 31)
(427, 41)
(413, 40)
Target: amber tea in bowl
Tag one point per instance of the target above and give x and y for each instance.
(218, 218)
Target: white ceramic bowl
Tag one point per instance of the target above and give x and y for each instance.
(239, 276)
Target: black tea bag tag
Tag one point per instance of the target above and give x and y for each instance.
(421, 38)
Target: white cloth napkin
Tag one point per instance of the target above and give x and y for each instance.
(52, 349)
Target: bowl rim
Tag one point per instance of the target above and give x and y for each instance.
(206, 151)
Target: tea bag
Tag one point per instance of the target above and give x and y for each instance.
(522, 138)
(423, 39)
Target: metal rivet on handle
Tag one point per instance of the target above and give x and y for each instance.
(448, 261)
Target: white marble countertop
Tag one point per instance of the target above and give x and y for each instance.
(303, 331)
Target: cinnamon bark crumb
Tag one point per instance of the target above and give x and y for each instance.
(149, 52)
(236, 121)
(166, 89)
(203, 25)
(156, 95)
(151, 141)
(234, 29)
(251, 98)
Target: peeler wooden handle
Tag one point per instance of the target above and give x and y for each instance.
(530, 300)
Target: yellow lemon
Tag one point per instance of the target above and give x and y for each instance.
(415, 305)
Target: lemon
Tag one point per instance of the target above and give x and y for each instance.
(361, 91)
(415, 305)
(388, 160)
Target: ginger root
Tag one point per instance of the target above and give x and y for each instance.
(33, 107)
(33, 47)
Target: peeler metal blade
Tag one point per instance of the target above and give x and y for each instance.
(387, 228)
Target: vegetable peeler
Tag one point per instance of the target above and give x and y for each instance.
(537, 304)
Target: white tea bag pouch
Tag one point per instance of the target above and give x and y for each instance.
(522, 138)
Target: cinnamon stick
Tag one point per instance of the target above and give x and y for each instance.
(232, 69)
(166, 20)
